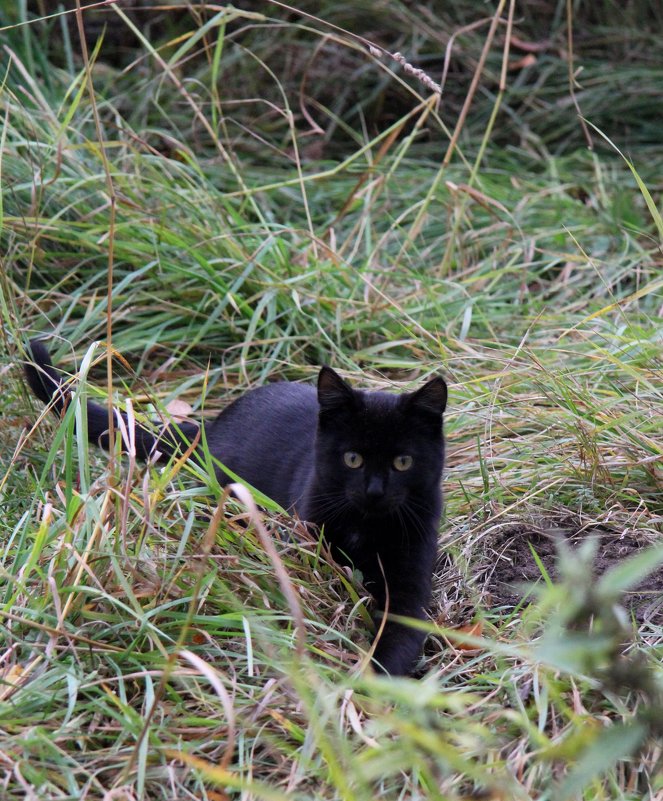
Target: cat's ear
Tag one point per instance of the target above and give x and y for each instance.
(333, 392)
(431, 398)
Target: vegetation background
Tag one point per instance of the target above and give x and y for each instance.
(222, 195)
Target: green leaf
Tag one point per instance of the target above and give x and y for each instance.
(612, 745)
(631, 571)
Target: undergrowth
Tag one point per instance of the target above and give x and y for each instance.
(263, 192)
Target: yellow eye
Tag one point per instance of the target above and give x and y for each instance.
(402, 463)
(353, 460)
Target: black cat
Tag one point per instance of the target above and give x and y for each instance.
(365, 467)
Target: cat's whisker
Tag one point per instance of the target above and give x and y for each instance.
(415, 519)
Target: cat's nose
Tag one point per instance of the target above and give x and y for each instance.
(375, 488)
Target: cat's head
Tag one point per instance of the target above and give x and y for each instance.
(379, 452)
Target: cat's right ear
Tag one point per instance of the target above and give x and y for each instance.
(333, 393)
(431, 398)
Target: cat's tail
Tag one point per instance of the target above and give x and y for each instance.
(47, 384)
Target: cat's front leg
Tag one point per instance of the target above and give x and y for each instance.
(399, 645)
(398, 649)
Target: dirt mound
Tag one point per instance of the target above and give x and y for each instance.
(514, 563)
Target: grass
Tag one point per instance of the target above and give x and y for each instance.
(149, 642)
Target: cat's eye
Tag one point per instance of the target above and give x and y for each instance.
(402, 463)
(353, 460)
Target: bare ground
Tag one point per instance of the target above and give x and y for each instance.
(502, 565)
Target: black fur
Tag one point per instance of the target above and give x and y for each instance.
(292, 442)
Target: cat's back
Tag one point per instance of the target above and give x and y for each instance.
(267, 437)
(281, 402)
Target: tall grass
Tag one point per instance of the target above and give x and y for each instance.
(274, 195)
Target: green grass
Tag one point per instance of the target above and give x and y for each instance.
(148, 653)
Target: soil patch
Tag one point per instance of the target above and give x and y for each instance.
(513, 564)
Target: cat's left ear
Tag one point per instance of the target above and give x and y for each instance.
(333, 392)
(431, 398)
